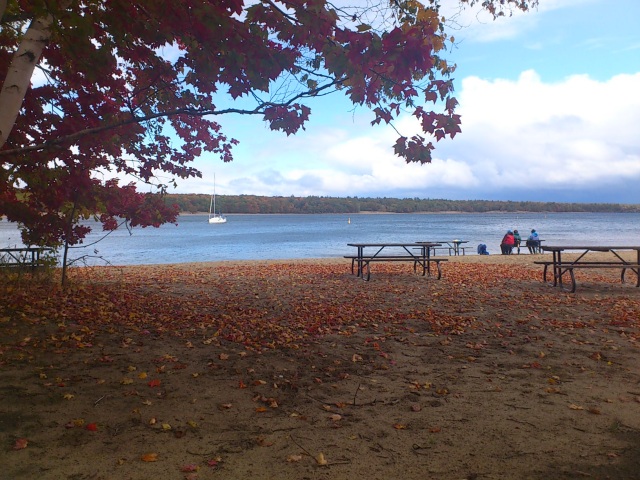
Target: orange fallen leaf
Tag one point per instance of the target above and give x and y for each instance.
(399, 426)
(20, 444)
(149, 457)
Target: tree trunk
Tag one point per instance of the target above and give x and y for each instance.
(63, 282)
(18, 77)
(3, 7)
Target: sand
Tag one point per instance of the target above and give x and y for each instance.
(298, 370)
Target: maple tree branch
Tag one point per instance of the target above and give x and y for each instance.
(259, 110)
(281, 12)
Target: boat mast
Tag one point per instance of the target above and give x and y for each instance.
(214, 194)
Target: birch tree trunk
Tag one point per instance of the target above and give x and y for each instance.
(18, 78)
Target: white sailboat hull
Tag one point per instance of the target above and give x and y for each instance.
(217, 219)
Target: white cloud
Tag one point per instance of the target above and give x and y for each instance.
(578, 132)
(520, 135)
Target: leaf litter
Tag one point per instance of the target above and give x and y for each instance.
(185, 368)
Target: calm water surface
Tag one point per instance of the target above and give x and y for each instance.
(263, 237)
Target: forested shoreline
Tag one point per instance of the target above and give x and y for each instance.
(230, 204)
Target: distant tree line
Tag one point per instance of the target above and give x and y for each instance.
(229, 204)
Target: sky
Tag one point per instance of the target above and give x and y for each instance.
(550, 105)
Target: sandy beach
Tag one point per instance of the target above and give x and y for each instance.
(299, 370)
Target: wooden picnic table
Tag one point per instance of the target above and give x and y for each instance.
(416, 252)
(560, 267)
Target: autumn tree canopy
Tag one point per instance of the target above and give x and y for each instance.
(96, 89)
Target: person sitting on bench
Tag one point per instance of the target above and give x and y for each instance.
(508, 241)
(533, 242)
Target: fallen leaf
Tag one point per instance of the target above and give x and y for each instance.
(294, 458)
(20, 443)
(192, 467)
(573, 406)
(320, 459)
(149, 457)
(154, 383)
(92, 427)
(78, 422)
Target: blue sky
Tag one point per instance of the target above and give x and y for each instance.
(550, 105)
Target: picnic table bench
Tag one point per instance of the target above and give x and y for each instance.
(417, 253)
(561, 267)
(454, 247)
(20, 257)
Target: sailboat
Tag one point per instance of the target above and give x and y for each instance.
(213, 216)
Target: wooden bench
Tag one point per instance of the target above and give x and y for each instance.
(394, 258)
(570, 267)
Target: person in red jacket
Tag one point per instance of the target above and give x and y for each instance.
(508, 241)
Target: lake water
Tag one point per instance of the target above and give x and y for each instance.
(264, 237)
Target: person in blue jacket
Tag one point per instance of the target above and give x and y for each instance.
(533, 242)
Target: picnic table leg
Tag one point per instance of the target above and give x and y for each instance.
(573, 280)
(634, 270)
(557, 269)
(368, 277)
(360, 260)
